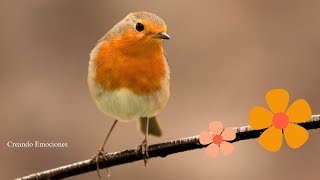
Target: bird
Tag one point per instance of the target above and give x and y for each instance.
(129, 75)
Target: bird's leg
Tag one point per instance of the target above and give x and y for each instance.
(101, 152)
(144, 144)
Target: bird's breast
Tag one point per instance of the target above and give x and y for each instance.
(141, 73)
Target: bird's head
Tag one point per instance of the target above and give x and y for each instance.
(138, 29)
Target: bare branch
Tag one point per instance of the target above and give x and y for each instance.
(156, 150)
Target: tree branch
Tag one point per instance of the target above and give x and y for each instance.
(156, 150)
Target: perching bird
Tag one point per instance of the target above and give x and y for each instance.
(129, 76)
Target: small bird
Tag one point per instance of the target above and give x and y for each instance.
(129, 76)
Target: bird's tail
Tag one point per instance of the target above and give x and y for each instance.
(154, 127)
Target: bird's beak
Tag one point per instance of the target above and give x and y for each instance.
(162, 35)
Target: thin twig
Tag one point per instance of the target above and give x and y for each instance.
(156, 150)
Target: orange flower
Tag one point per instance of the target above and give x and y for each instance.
(281, 120)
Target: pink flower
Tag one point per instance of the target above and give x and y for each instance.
(217, 139)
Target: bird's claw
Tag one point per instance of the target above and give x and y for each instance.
(96, 158)
(144, 151)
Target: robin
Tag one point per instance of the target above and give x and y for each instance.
(129, 76)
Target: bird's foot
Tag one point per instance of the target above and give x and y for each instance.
(96, 158)
(144, 151)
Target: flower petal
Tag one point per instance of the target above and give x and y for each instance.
(299, 111)
(271, 139)
(295, 135)
(260, 118)
(277, 100)
(205, 138)
(226, 148)
(212, 150)
(228, 134)
(216, 127)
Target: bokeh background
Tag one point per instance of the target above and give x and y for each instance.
(224, 57)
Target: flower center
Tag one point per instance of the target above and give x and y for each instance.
(280, 120)
(217, 139)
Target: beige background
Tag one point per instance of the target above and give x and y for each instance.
(224, 56)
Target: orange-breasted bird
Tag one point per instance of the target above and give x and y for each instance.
(129, 76)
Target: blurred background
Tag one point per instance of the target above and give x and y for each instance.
(224, 57)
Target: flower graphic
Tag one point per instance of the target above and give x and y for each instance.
(217, 138)
(281, 120)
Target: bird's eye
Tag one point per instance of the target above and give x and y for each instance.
(139, 27)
